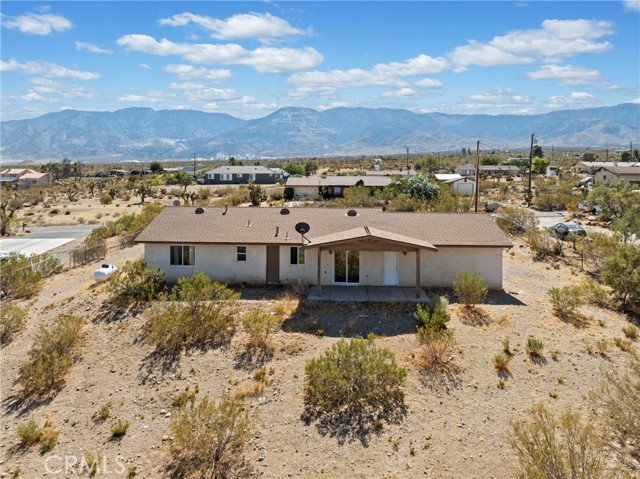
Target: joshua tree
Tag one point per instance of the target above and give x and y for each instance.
(6, 216)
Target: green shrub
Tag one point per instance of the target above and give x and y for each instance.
(630, 331)
(51, 357)
(209, 440)
(501, 363)
(19, 278)
(620, 396)
(11, 322)
(106, 199)
(565, 300)
(259, 325)
(30, 434)
(200, 312)
(119, 429)
(432, 319)
(594, 293)
(550, 447)
(470, 288)
(534, 347)
(622, 272)
(354, 377)
(134, 283)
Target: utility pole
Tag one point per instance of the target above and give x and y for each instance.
(529, 196)
(194, 165)
(477, 185)
(408, 167)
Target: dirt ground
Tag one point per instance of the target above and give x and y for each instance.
(456, 429)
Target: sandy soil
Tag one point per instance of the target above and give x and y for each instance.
(457, 430)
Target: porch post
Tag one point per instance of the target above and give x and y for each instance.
(418, 273)
(319, 287)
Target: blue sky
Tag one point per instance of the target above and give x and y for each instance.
(248, 59)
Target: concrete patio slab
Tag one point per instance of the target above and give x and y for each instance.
(374, 294)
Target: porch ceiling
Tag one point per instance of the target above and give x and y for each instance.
(367, 238)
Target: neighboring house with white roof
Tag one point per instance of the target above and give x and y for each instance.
(26, 177)
(494, 170)
(590, 167)
(240, 175)
(367, 247)
(611, 175)
(332, 186)
(460, 185)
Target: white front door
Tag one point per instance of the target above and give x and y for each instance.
(390, 268)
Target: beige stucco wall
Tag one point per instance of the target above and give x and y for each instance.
(436, 268)
(604, 177)
(306, 191)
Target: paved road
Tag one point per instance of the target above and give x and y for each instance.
(45, 238)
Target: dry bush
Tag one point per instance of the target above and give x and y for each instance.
(210, 440)
(11, 322)
(470, 288)
(516, 221)
(542, 243)
(565, 300)
(51, 357)
(435, 356)
(259, 325)
(548, 447)
(594, 293)
(30, 434)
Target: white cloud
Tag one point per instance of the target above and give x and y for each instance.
(144, 66)
(34, 96)
(335, 104)
(46, 69)
(382, 74)
(38, 24)
(264, 59)
(401, 93)
(579, 98)
(244, 25)
(209, 94)
(90, 47)
(632, 5)
(496, 98)
(556, 40)
(567, 74)
(188, 72)
(185, 86)
(428, 83)
(153, 96)
(67, 90)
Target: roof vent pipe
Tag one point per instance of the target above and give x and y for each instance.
(226, 208)
(286, 236)
(277, 230)
(248, 223)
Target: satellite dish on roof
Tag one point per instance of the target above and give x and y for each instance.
(284, 211)
(176, 203)
(199, 210)
(352, 213)
(302, 228)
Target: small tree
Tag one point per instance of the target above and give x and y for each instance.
(156, 167)
(550, 448)
(209, 439)
(354, 377)
(622, 272)
(470, 288)
(6, 217)
(255, 193)
(419, 186)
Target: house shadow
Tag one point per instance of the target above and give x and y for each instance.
(503, 298)
(345, 319)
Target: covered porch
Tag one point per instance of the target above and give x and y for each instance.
(345, 248)
(369, 294)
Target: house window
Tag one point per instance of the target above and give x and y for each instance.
(180, 255)
(297, 255)
(225, 176)
(241, 253)
(252, 176)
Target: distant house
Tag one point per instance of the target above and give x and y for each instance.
(240, 175)
(466, 170)
(332, 186)
(611, 175)
(493, 170)
(26, 177)
(460, 185)
(553, 171)
(590, 167)
(336, 247)
(391, 172)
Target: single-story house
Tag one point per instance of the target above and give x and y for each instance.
(611, 175)
(466, 170)
(590, 167)
(379, 172)
(460, 185)
(26, 177)
(310, 186)
(553, 171)
(493, 170)
(322, 246)
(240, 175)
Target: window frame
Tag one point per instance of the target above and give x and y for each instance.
(299, 255)
(191, 254)
(241, 254)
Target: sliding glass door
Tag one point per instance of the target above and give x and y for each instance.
(346, 267)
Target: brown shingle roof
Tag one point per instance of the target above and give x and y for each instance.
(623, 170)
(259, 226)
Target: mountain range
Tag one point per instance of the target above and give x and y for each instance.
(143, 133)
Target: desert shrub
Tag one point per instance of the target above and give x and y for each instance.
(19, 278)
(119, 429)
(534, 347)
(354, 377)
(432, 319)
(419, 186)
(630, 331)
(209, 439)
(594, 293)
(288, 193)
(542, 243)
(259, 325)
(565, 300)
(622, 272)
(434, 357)
(501, 363)
(134, 283)
(51, 357)
(200, 312)
(29, 433)
(103, 413)
(11, 322)
(548, 447)
(470, 288)
(596, 247)
(106, 199)
(516, 221)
